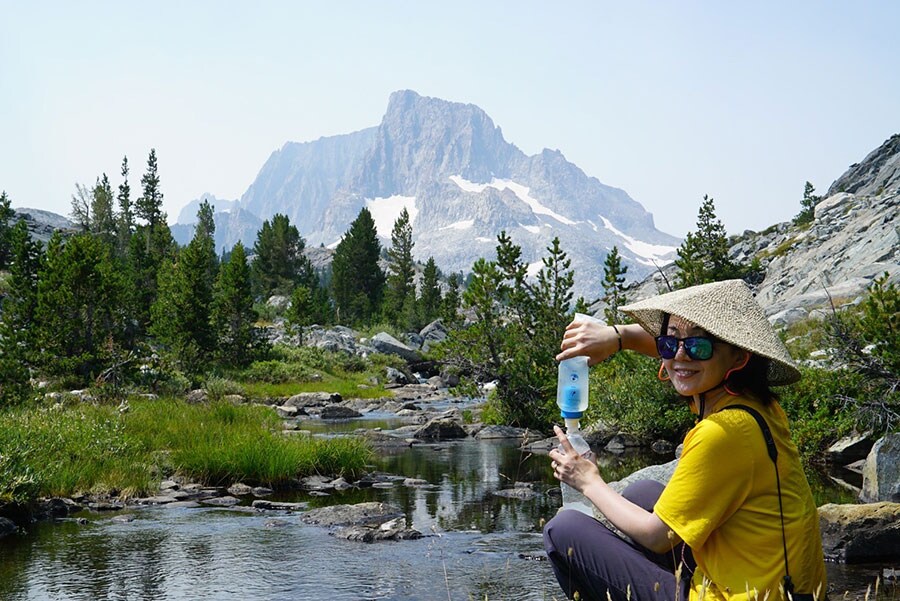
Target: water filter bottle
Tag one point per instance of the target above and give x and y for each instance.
(572, 399)
(572, 387)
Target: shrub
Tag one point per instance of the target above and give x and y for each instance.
(218, 388)
(627, 395)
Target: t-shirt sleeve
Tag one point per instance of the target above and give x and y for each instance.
(712, 480)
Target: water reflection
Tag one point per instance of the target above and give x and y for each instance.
(478, 545)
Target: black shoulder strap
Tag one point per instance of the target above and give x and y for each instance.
(773, 455)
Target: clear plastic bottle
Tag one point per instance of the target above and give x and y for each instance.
(571, 498)
(572, 399)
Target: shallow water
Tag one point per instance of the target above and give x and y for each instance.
(477, 545)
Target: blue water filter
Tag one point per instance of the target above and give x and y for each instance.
(572, 387)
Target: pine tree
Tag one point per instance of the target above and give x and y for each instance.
(430, 296)
(17, 311)
(79, 306)
(614, 286)
(125, 215)
(357, 278)
(703, 256)
(807, 205)
(181, 312)
(398, 307)
(103, 220)
(451, 302)
(278, 257)
(233, 316)
(6, 216)
(149, 206)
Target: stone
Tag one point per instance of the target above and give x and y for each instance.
(239, 489)
(849, 449)
(7, 527)
(273, 505)
(387, 344)
(339, 412)
(503, 432)
(441, 429)
(357, 514)
(278, 302)
(395, 376)
(227, 501)
(860, 533)
(881, 474)
(312, 399)
(661, 473)
(197, 396)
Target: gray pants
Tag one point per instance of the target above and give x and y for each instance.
(589, 558)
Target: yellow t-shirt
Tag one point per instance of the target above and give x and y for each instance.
(722, 501)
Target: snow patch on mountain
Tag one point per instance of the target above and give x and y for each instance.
(465, 224)
(385, 212)
(522, 192)
(647, 254)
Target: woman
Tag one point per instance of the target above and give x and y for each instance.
(747, 520)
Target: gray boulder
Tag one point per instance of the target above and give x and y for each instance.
(338, 412)
(432, 334)
(441, 429)
(860, 533)
(7, 527)
(313, 399)
(387, 344)
(661, 473)
(372, 513)
(849, 449)
(881, 474)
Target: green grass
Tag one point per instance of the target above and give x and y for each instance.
(87, 448)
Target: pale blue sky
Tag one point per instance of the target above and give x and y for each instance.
(667, 100)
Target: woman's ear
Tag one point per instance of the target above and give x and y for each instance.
(740, 361)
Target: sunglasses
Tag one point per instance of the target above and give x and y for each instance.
(696, 347)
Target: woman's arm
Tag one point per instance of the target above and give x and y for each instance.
(582, 474)
(598, 341)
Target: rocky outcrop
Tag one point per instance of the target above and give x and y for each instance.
(878, 173)
(364, 522)
(860, 533)
(881, 474)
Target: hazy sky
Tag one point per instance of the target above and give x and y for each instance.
(667, 100)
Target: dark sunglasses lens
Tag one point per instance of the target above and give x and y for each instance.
(666, 346)
(698, 348)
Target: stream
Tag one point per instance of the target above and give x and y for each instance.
(477, 545)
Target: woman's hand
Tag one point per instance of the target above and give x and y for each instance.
(570, 467)
(590, 338)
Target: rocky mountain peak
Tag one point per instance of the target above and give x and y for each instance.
(878, 173)
(423, 139)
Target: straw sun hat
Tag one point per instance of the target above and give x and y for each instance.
(728, 311)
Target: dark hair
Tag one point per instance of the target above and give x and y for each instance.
(753, 379)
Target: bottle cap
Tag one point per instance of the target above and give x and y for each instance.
(571, 414)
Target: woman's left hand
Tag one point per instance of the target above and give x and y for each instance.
(570, 467)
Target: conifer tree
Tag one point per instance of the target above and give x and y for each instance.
(103, 220)
(516, 330)
(807, 205)
(357, 278)
(17, 311)
(703, 256)
(81, 207)
(614, 286)
(233, 316)
(151, 244)
(430, 296)
(125, 215)
(79, 306)
(451, 302)
(6, 216)
(149, 206)
(278, 257)
(181, 312)
(399, 308)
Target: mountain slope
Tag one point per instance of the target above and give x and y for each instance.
(462, 184)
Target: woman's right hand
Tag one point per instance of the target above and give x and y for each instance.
(592, 339)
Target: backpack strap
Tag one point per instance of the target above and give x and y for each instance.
(773, 455)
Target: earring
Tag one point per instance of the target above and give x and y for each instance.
(662, 370)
